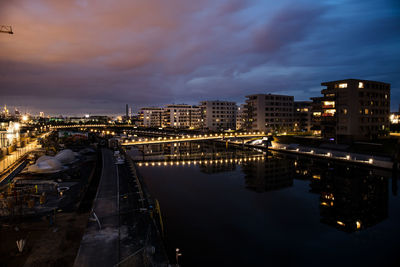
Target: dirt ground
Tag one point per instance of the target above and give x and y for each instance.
(46, 245)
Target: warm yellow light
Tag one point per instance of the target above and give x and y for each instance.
(340, 223)
(358, 224)
(342, 85)
(24, 118)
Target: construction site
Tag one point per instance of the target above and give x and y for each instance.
(45, 203)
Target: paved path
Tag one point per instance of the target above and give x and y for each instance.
(101, 247)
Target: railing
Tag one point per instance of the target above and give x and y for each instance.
(188, 138)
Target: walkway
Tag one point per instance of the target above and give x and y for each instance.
(100, 247)
(189, 138)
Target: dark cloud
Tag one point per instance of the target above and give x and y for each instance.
(80, 56)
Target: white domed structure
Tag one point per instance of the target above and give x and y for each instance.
(49, 165)
(65, 156)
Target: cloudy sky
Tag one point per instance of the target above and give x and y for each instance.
(94, 56)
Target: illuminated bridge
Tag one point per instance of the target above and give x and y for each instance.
(190, 138)
(232, 160)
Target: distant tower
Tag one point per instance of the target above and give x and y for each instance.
(126, 112)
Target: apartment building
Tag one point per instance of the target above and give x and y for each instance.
(271, 113)
(181, 116)
(240, 117)
(218, 115)
(151, 116)
(316, 115)
(302, 116)
(355, 109)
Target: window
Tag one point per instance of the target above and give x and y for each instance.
(342, 85)
(328, 104)
(329, 112)
(360, 85)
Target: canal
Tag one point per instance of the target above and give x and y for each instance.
(232, 207)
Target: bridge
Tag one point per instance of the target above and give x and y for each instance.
(223, 161)
(82, 126)
(190, 138)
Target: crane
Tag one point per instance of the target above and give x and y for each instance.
(6, 29)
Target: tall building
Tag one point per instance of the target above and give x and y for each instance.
(355, 109)
(267, 112)
(151, 116)
(240, 117)
(218, 115)
(302, 116)
(316, 116)
(181, 116)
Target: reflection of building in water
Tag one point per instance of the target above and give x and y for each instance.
(218, 166)
(271, 174)
(352, 198)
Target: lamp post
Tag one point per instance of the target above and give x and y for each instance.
(177, 255)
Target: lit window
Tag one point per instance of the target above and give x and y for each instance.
(328, 104)
(342, 85)
(316, 114)
(329, 112)
(345, 111)
(366, 111)
(360, 85)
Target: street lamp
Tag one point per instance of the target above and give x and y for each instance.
(177, 255)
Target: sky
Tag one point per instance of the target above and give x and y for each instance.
(75, 57)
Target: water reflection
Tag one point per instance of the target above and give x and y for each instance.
(270, 174)
(351, 198)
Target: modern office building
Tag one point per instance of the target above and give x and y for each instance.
(271, 113)
(302, 116)
(355, 109)
(151, 116)
(218, 115)
(181, 116)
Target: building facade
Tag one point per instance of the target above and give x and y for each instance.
(241, 117)
(181, 116)
(271, 113)
(151, 116)
(355, 109)
(302, 116)
(218, 115)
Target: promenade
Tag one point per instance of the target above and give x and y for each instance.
(100, 243)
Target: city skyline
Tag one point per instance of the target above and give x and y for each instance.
(94, 58)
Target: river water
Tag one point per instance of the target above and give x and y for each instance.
(230, 207)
